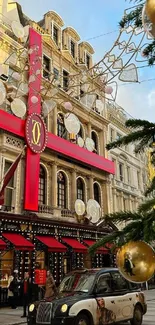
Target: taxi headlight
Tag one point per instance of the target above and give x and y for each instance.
(31, 308)
(64, 308)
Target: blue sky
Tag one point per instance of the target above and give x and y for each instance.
(93, 18)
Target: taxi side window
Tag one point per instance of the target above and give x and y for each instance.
(118, 282)
(104, 284)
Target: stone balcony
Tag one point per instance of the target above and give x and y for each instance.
(127, 187)
(56, 213)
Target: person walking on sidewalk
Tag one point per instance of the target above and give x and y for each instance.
(10, 292)
(26, 289)
(50, 289)
(14, 287)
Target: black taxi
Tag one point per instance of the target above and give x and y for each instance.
(91, 297)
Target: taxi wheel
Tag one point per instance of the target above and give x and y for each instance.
(138, 316)
(82, 319)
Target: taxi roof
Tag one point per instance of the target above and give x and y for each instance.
(93, 270)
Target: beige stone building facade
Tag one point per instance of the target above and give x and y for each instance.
(131, 170)
(59, 237)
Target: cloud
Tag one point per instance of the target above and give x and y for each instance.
(136, 100)
(151, 98)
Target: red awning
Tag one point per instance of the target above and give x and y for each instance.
(2, 244)
(19, 241)
(75, 244)
(102, 250)
(52, 244)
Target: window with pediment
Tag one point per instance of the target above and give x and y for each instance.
(80, 189)
(61, 190)
(55, 34)
(97, 193)
(42, 186)
(73, 49)
(61, 130)
(95, 139)
(8, 193)
(65, 80)
(46, 67)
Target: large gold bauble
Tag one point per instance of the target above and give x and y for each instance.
(150, 10)
(136, 261)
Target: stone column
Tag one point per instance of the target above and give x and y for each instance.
(89, 130)
(130, 203)
(122, 202)
(105, 197)
(105, 134)
(73, 189)
(54, 185)
(114, 200)
(91, 188)
(101, 144)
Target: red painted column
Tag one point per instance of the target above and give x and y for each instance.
(32, 164)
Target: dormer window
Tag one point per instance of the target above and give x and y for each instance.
(87, 61)
(73, 49)
(55, 34)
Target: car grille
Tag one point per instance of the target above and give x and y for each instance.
(44, 313)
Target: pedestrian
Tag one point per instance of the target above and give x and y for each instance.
(26, 289)
(14, 287)
(10, 292)
(50, 289)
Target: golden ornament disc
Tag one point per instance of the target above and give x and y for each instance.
(150, 10)
(136, 261)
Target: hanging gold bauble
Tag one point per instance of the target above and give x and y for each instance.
(150, 10)
(136, 261)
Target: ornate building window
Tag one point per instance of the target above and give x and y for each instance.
(55, 34)
(60, 126)
(73, 49)
(81, 132)
(95, 139)
(97, 193)
(61, 188)
(65, 80)
(80, 189)
(42, 186)
(8, 194)
(46, 67)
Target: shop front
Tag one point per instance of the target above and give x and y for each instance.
(35, 246)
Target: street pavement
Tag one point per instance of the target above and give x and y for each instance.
(13, 317)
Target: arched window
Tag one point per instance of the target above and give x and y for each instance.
(95, 139)
(81, 132)
(61, 188)
(97, 193)
(60, 126)
(80, 189)
(42, 185)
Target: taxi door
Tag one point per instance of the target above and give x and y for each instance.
(105, 301)
(123, 298)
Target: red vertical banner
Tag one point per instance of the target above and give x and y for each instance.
(32, 165)
(40, 277)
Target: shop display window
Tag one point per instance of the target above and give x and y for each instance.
(40, 260)
(6, 267)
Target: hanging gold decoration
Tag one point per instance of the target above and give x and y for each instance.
(150, 10)
(136, 261)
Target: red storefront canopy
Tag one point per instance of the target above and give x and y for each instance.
(102, 250)
(2, 245)
(52, 244)
(75, 244)
(18, 241)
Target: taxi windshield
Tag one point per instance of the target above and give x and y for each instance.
(81, 282)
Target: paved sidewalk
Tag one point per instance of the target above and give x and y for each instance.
(10, 316)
